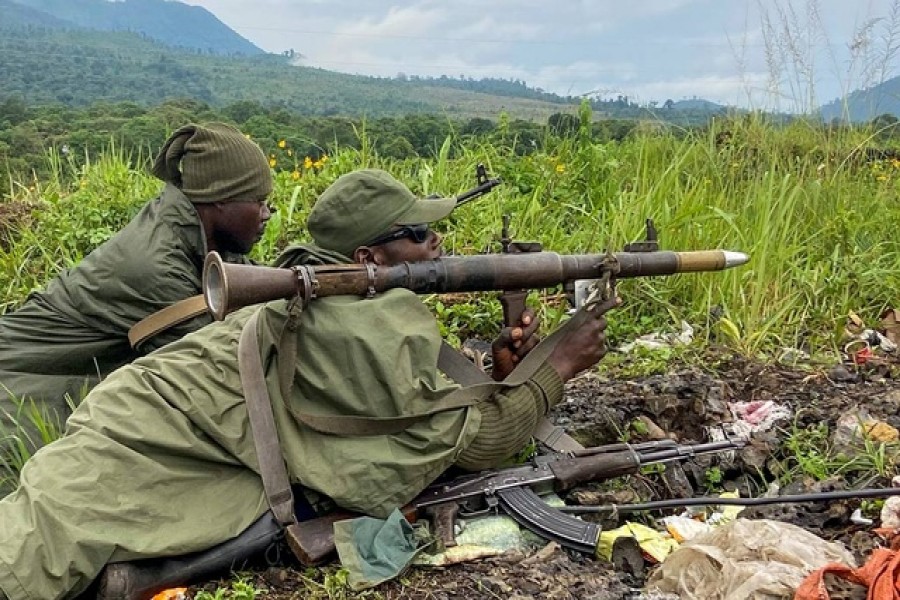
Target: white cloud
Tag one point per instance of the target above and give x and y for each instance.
(648, 49)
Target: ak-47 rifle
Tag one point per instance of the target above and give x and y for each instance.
(514, 491)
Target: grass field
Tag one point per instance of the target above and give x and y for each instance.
(817, 213)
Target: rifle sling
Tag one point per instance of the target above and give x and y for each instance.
(272, 469)
(174, 314)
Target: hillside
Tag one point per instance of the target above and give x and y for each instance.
(865, 105)
(172, 23)
(16, 14)
(79, 52)
(77, 67)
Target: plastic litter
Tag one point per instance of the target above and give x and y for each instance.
(653, 543)
(857, 517)
(171, 594)
(880, 574)
(657, 340)
(758, 415)
(890, 511)
(745, 560)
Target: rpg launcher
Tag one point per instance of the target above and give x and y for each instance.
(514, 491)
(228, 287)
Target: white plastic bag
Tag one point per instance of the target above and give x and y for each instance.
(745, 560)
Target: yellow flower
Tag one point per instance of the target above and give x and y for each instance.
(307, 163)
(560, 168)
(319, 164)
(895, 163)
(282, 143)
(272, 162)
(290, 152)
(295, 174)
(881, 178)
(324, 158)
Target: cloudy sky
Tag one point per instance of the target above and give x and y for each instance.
(782, 54)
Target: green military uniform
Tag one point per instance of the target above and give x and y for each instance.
(69, 336)
(66, 337)
(159, 460)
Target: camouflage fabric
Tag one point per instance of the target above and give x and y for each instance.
(67, 337)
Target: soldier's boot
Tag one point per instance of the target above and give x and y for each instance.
(141, 579)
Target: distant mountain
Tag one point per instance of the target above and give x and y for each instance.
(698, 104)
(22, 15)
(79, 52)
(172, 23)
(865, 105)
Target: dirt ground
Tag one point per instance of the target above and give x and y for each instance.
(683, 405)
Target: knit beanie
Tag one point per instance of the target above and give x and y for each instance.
(214, 163)
(362, 205)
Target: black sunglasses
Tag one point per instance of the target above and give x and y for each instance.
(418, 233)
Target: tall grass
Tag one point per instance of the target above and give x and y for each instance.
(818, 220)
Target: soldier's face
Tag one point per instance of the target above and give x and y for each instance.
(404, 249)
(240, 224)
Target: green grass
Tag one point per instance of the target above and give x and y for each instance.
(818, 221)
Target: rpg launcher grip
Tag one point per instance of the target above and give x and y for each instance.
(513, 490)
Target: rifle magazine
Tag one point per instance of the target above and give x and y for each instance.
(529, 511)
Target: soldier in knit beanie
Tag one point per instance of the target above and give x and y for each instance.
(108, 309)
(225, 176)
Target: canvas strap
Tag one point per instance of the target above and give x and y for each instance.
(174, 314)
(476, 386)
(462, 371)
(468, 395)
(272, 469)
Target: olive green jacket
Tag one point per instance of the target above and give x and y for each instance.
(159, 459)
(67, 337)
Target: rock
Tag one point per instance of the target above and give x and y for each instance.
(841, 374)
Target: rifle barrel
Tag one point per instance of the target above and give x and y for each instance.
(714, 501)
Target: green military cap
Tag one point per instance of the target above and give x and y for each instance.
(364, 204)
(214, 163)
